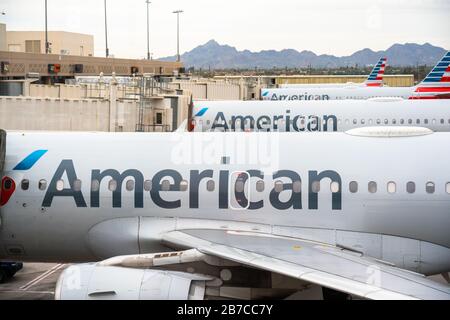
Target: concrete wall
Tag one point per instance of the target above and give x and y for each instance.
(3, 46)
(58, 91)
(62, 42)
(210, 90)
(34, 113)
(389, 80)
(66, 115)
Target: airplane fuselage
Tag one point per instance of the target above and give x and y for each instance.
(91, 196)
(318, 116)
(336, 93)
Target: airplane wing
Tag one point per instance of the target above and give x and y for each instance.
(317, 263)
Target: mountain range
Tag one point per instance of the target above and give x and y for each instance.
(216, 56)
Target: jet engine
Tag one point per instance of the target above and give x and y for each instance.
(97, 282)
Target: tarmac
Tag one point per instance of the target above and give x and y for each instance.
(37, 281)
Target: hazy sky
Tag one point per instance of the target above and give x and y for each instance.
(337, 27)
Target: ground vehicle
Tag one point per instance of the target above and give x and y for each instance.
(9, 269)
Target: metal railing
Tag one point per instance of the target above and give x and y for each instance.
(152, 127)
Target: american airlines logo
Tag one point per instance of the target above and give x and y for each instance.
(287, 122)
(267, 95)
(286, 193)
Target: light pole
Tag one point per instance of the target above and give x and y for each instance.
(46, 30)
(106, 33)
(178, 33)
(148, 29)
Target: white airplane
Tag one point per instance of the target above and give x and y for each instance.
(435, 86)
(313, 116)
(231, 215)
(375, 79)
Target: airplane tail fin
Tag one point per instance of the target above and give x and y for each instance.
(375, 78)
(436, 84)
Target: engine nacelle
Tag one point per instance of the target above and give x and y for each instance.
(95, 282)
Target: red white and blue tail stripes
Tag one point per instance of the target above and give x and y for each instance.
(436, 84)
(376, 76)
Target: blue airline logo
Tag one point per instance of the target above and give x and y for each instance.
(201, 112)
(30, 161)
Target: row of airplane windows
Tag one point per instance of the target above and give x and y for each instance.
(353, 187)
(347, 121)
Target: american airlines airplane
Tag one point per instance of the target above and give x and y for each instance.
(315, 116)
(435, 86)
(375, 79)
(231, 215)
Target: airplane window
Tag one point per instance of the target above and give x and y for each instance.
(334, 187)
(260, 186)
(425, 121)
(7, 185)
(42, 184)
(372, 187)
(363, 121)
(448, 121)
(95, 185)
(165, 186)
(355, 121)
(442, 121)
(402, 121)
(112, 185)
(447, 187)
(315, 186)
(210, 185)
(130, 185)
(353, 186)
(297, 186)
(410, 121)
(417, 121)
(394, 121)
(25, 184)
(208, 122)
(386, 121)
(77, 185)
(411, 187)
(148, 185)
(278, 186)
(183, 185)
(391, 187)
(378, 121)
(430, 187)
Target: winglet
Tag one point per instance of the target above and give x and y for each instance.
(375, 78)
(436, 84)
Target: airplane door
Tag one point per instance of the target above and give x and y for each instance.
(239, 190)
